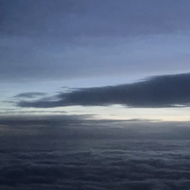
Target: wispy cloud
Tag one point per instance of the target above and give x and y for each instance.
(30, 95)
(159, 91)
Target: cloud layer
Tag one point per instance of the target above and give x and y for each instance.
(87, 156)
(161, 91)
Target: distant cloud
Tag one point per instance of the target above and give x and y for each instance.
(42, 119)
(159, 91)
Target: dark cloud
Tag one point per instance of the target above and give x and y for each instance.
(30, 95)
(161, 91)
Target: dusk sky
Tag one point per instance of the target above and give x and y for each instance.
(53, 49)
(95, 94)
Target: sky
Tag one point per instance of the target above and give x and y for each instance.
(95, 94)
(108, 59)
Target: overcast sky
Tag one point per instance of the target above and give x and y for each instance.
(113, 59)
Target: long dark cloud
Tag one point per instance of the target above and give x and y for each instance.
(160, 91)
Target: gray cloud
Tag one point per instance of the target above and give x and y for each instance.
(160, 91)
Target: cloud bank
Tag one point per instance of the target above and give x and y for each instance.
(155, 92)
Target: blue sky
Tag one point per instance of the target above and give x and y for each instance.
(57, 47)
